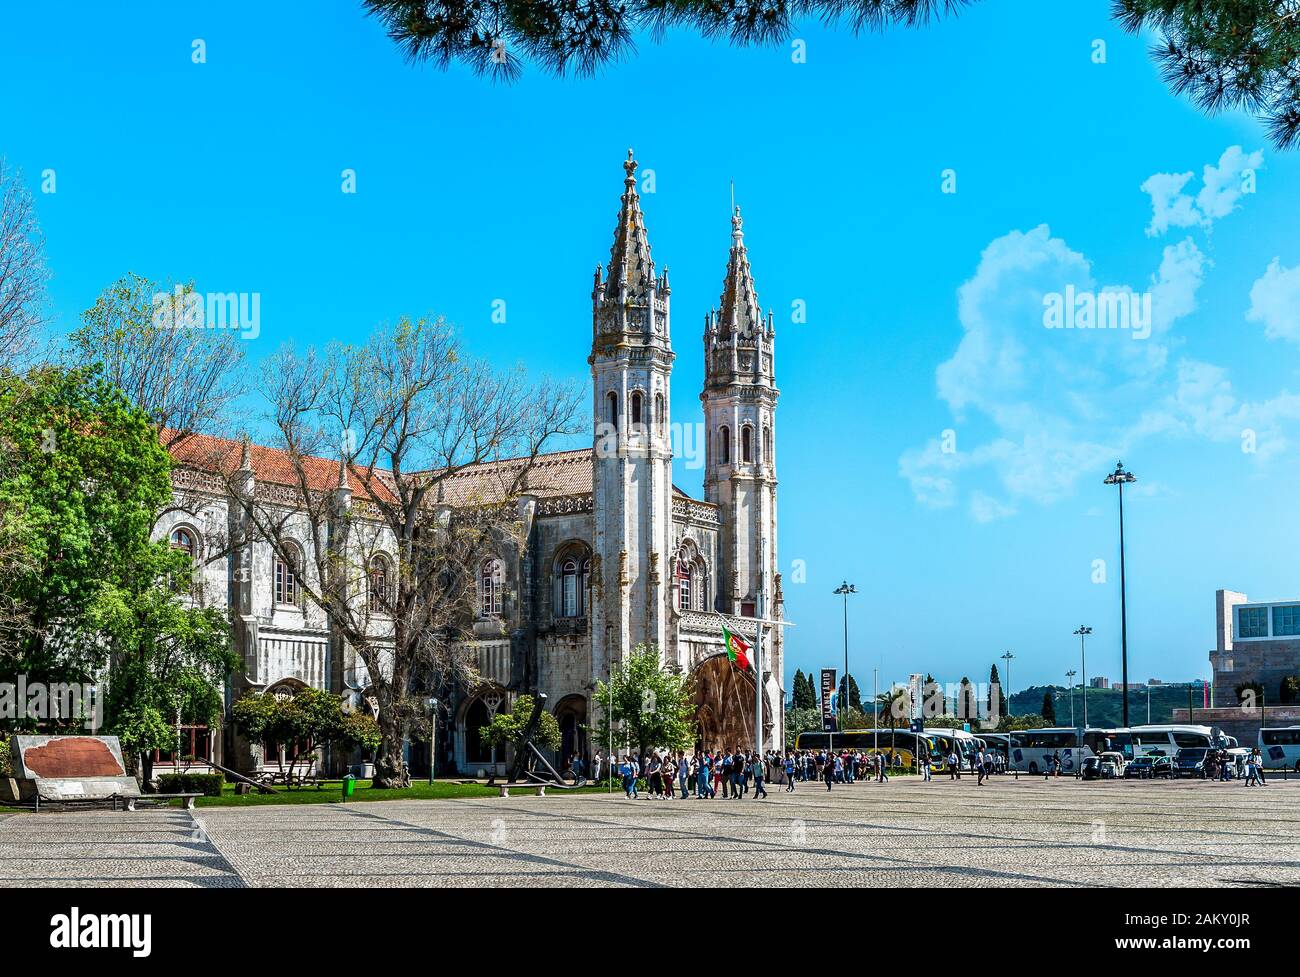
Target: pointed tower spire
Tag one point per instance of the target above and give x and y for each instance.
(740, 312)
(629, 257)
(246, 455)
(343, 472)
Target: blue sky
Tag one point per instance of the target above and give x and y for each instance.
(924, 308)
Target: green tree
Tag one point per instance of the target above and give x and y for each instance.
(805, 696)
(85, 477)
(312, 716)
(495, 37)
(1049, 708)
(854, 698)
(169, 661)
(801, 721)
(506, 727)
(1227, 54)
(1223, 53)
(649, 702)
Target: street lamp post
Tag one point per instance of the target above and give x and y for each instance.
(1121, 478)
(1070, 675)
(844, 589)
(1083, 633)
(1007, 658)
(433, 732)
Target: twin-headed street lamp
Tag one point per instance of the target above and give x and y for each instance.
(1083, 633)
(844, 590)
(1121, 478)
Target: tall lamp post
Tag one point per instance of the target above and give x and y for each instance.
(1070, 675)
(1007, 658)
(844, 590)
(1121, 478)
(1083, 633)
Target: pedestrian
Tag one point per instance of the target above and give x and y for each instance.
(882, 769)
(923, 759)
(979, 769)
(954, 765)
(596, 763)
(758, 772)
(628, 772)
(789, 774)
(828, 774)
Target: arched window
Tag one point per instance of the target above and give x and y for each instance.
(380, 584)
(288, 573)
(684, 581)
(636, 409)
(569, 585)
(612, 401)
(183, 539)
(767, 445)
(659, 413)
(746, 448)
(572, 573)
(724, 445)
(492, 578)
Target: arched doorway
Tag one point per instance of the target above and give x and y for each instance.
(571, 714)
(472, 754)
(724, 705)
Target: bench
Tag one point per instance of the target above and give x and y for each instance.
(131, 800)
(503, 790)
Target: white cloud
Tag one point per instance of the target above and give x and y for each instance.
(1222, 187)
(1275, 301)
(986, 509)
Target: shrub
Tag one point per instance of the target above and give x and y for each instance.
(6, 768)
(207, 784)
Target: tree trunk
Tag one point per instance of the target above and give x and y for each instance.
(390, 768)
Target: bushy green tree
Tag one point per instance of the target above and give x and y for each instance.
(801, 721)
(85, 478)
(1049, 708)
(312, 716)
(506, 727)
(648, 702)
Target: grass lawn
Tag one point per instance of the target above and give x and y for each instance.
(332, 793)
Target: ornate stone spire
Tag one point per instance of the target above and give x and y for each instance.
(739, 312)
(630, 264)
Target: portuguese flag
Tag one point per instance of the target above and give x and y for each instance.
(737, 648)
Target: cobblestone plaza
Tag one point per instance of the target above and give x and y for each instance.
(1009, 832)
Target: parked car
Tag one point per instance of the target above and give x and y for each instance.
(1090, 769)
(1191, 761)
(1164, 766)
(1112, 765)
(1141, 768)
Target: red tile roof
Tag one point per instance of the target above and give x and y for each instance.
(555, 474)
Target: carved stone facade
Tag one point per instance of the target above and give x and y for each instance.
(614, 555)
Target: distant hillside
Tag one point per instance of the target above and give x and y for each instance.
(1105, 706)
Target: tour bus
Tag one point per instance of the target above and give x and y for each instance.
(1031, 749)
(1162, 740)
(889, 741)
(943, 741)
(1279, 746)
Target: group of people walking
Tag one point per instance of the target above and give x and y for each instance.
(736, 773)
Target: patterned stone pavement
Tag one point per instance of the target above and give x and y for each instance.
(1025, 832)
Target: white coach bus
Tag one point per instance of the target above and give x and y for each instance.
(1279, 746)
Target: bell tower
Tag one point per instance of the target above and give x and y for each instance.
(631, 366)
(739, 400)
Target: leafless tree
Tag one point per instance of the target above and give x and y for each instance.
(409, 415)
(22, 271)
(185, 377)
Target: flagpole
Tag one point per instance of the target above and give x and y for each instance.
(758, 663)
